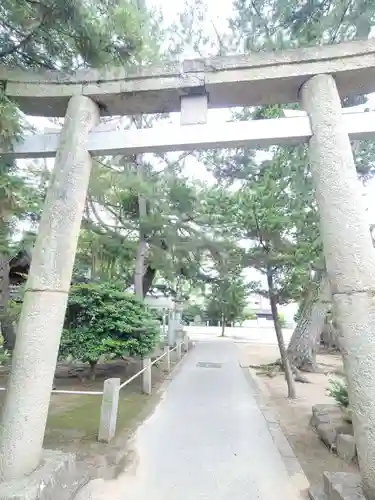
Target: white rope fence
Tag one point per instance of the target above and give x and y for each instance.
(112, 386)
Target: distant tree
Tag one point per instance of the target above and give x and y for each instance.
(227, 301)
(191, 311)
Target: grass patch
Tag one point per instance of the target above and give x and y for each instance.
(82, 418)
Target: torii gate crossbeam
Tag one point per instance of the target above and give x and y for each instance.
(161, 139)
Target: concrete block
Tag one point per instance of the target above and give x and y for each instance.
(56, 478)
(108, 411)
(343, 486)
(316, 493)
(345, 427)
(325, 414)
(346, 447)
(328, 434)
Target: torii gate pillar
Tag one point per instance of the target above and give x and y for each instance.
(350, 258)
(38, 336)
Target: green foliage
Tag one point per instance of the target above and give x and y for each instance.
(5, 357)
(227, 300)
(66, 34)
(103, 320)
(282, 320)
(246, 315)
(174, 227)
(14, 310)
(190, 312)
(271, 202)
(338, 390)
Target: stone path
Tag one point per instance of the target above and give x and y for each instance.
(207, 440)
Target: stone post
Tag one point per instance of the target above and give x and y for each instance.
(179, 350)
(178, 319)
(147, 376)
(164, 323)
(38, 335)
(108, 411)
(167, 359)
(171, 329)
(186, 342)
(350, 258)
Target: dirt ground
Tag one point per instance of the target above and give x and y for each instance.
(294, 416)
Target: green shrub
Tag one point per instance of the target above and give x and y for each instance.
(101, 319)
(282, 320)
(338, 390)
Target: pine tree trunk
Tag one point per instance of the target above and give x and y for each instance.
(304, 342)
(139, 267)
(330, 334)
(280, 338)
(142, 245)
(148, 279)
(7, 328)
(222, 326)
(92, 370)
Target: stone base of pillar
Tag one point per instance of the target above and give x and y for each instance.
(58, 477)
(338, 486)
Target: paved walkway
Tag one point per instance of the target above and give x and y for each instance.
(207, 439)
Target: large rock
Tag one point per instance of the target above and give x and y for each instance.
(346, 447)
(342, 486)
(325, 414)
(58, 477)
(328, 434)
(329, 423)
(316, 493)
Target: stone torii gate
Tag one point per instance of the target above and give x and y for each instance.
(317, 77)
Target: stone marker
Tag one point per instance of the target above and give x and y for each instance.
(109, 409)
(186, 342)
(147, 376)
(167, 359)
(171, 329)
(179, 350)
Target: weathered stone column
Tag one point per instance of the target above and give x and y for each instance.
(350, 258)
(41, 322)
